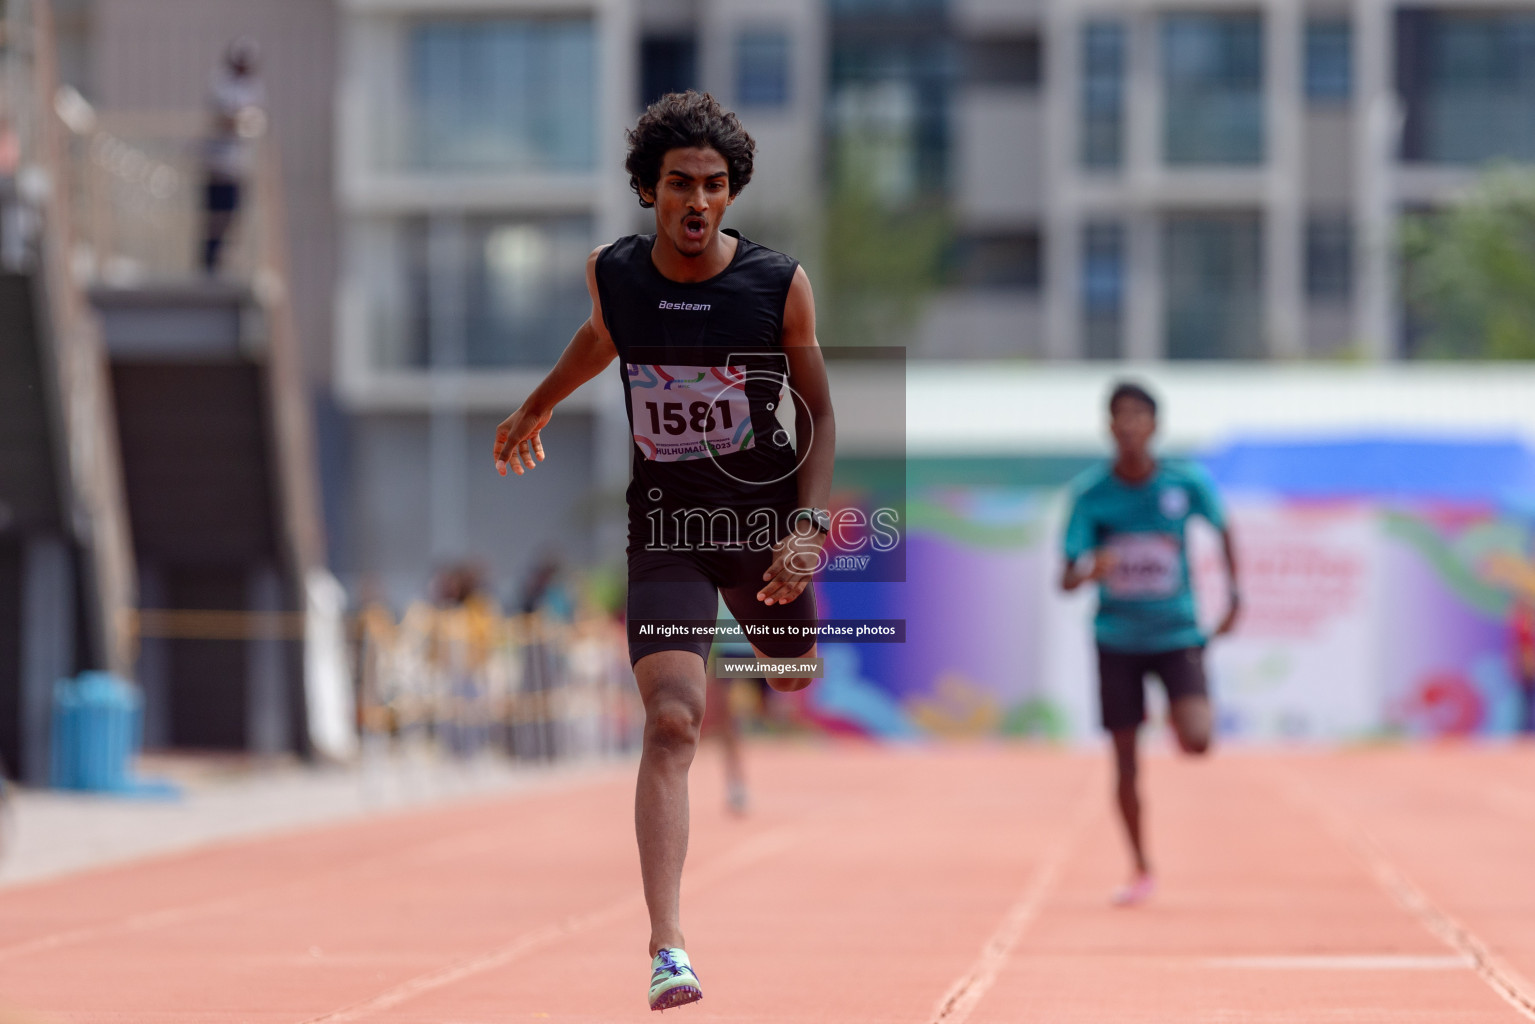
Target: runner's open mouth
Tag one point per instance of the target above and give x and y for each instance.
(694, 226)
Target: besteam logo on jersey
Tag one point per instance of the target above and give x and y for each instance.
(686, 307)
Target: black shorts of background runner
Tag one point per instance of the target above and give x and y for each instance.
(1122, 681)
(221, 196)
(740, 652)
(679, 586)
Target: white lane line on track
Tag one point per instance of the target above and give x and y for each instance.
(748, 853)
(166, 917)
(1345, 962)
(163, 917)
(1512, 987)
(960, 1001)
(146, 921)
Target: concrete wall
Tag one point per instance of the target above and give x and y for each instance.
(161, 54)
(999, 156)
(1022, 409)
(419, 501)
(981, 325)
(1329, 145)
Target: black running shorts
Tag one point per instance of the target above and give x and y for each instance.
(671, 585)
(221, 197)
(1122, 681)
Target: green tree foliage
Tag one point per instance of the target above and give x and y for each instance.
(1470, 271)
(881, 264)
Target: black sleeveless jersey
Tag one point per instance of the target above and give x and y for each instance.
(704, 374)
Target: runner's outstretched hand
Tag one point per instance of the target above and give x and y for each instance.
(795, 561)
(1104, 561)
(517, 440)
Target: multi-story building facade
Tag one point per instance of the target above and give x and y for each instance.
(474, 174)
(480, 148)
(1136, 179)
(1221, 179)
(1217, 180)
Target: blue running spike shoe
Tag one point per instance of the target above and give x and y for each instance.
(672, 981)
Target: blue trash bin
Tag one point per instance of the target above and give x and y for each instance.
(96, 732)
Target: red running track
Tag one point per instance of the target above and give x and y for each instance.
(934, 885)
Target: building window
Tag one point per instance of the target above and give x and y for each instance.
(1103, 289)
(1329, 258)
(884, 8)
(1212, 277)
(488, 291)
(1012, 61)
(1468, 83)
(494, 94)
(889, 107)
(1329, 60)
(1212, 68)
(1008, 260)
(762, 69)
(667, 64)
(1103, 94)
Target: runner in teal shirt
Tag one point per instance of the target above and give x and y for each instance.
(1145, 602)
(1128, 534)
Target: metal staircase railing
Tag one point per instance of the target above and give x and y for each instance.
(138, 177)
(75, 362)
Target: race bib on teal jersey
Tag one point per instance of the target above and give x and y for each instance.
(1145, 566)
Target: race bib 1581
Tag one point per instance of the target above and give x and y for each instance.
(1145, 565)
(689, 412)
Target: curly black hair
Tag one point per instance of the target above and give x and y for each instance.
(684, 120)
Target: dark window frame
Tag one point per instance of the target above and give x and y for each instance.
(998, 260)
(1105, 287)
(754, 95)
(1105, 61)
(1329, 258)
(1198, 128)
(1014, 61)
(1328, 38)
(659, 49)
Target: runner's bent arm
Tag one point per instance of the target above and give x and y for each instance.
(1234, 605)
(1075, 575)
(815, 426)
(814, 423)
(588, 354)
(1207, 503)
(1081, 537)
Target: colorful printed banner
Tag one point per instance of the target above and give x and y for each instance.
(1361, 619)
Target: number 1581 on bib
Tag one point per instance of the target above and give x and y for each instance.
(689, 412)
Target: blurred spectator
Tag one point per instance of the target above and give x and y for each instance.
(10, 147)
(545, 591)
(237, 98)
(456, 674)
(13, 214)
(374, 635)
(463, 637)
(544, 602)
(1524, 659)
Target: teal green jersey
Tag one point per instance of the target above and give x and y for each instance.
(1145, 604)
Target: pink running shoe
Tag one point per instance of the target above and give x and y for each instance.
(1136, 893)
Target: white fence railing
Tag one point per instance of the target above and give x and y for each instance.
(466, 679)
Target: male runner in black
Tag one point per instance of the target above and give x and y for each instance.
(713, 332)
